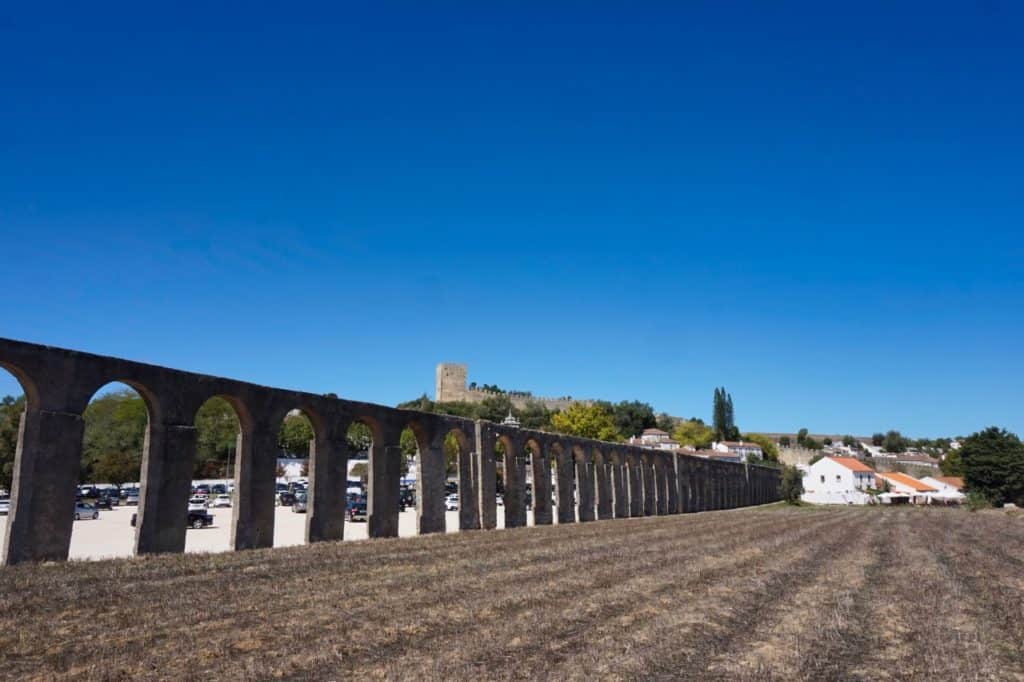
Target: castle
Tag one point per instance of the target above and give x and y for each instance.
(451, 387)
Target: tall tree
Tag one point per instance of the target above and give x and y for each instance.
(993, 463)
(723, 416)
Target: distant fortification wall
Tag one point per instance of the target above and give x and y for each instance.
(451, 386)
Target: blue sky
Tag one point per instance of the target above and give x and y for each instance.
(816, 206)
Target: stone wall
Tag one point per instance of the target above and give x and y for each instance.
(595, 480)
(451, 386)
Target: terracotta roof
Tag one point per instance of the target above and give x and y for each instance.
(954, 481)
(853, 464)
(908, 481)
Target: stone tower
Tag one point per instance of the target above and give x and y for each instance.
(451, 382)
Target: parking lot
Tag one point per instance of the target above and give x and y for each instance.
(112, 534)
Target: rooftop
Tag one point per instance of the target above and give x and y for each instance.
(908, 481)
(853, 464)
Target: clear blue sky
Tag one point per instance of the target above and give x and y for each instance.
(818, 207)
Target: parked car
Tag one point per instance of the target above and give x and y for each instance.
(407, 497)
(219, 489)
(103, 502)
(196, 503)
(451, 503)
(131, 496)
(357, 510)
(221, 501)
(85, 511)
(499, 499)
(299, 505)
(285, 498)
(201, 489)
(196, 519)
(5, 504)
(200, 519)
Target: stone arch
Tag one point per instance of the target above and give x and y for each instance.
(428, 495)
(649, 484)
(561, 457)
(28, 386)
(465, 473)
(539, 493)
(602, 485)
(620, 487)
(514, 466)
(231, 429)
(584, 483)
(635, 483)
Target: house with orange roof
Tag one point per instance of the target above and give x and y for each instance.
(950, 489)
(838, 480)
(904, 484)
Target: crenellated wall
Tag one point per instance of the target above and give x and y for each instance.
(595, 479)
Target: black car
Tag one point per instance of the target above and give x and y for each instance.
(407, 498)
(285, 498)
(103, 502)
(196, 519)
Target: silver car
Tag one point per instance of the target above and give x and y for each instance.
(5, 505)
(85, 511)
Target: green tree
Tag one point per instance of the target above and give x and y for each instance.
(723, 418)
(785, 441)
(359, 437)
(116, 467)
(849, 441)
(534, 415)
(115, 425)
(993, 464)
(791, 486)
(216, 438)
(827, 441)
(894, 442)
(632, 417)
(666, 422)
(359, 470)
(952, 464)
(586, 421)
(877, 439)
(768, 447)
(294, 436)
(801, 437)
(494, 408)
(694, 432)
(10, 422)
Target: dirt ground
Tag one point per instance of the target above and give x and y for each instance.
(762, 594)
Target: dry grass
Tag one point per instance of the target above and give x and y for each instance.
(756, 594)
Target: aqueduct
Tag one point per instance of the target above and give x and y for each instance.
(593, 479)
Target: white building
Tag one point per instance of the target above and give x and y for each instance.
(950, 489)
(654, 438)
(744, 450)
(905, 484)
(838, 480)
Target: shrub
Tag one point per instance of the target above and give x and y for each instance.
(792, 485)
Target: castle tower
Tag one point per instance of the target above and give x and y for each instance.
(450, 385)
